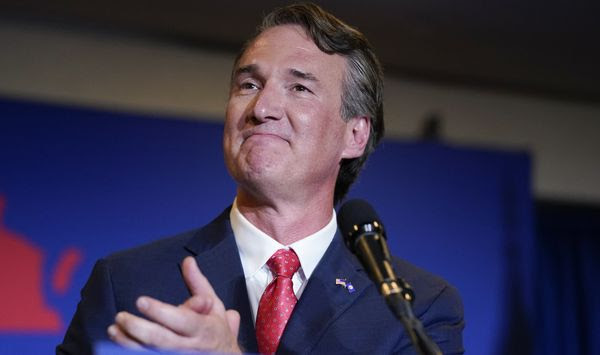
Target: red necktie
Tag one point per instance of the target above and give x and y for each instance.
(277, 302)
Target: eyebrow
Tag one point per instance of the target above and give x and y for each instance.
(302, 75)
(246, 69)
(253, 69)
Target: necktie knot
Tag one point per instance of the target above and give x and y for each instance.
(284, 263)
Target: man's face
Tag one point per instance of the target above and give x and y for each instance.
(283, 129)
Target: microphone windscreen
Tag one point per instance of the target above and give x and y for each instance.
(355, 212)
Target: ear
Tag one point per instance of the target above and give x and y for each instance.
(357, 136)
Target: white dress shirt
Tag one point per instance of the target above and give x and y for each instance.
(256, 247)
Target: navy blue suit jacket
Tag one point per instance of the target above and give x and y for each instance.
(327, 318)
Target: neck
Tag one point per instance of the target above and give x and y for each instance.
(286, 222)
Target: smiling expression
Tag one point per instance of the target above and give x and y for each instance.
(283, 129)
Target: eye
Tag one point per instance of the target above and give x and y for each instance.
(300, 88)
(248, 86)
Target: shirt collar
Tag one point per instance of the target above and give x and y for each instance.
(256, 247)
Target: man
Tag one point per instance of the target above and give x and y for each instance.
(304, 112)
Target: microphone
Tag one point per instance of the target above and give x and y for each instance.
(365, 236)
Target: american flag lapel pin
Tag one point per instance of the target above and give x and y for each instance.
(346, 284)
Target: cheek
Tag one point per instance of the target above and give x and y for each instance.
(328, 127)
(228, 134)
(234, 123)
(332, 135)
(236, 112)
(231, 139)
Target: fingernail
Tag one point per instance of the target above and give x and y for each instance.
(142, 303)
(112, 331)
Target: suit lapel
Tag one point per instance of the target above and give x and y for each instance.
(322, 301)
(217, 256)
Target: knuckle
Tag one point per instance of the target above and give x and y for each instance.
(191, 322)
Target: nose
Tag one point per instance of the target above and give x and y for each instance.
(268, 104)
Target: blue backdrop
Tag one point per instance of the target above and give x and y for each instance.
(77, 184)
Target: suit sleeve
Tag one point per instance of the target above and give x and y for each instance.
(95, 312)
(444, 321)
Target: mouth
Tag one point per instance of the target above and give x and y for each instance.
(262, 134)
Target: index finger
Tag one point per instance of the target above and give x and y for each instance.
(180, 320)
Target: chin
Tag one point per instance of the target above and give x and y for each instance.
(263, 178)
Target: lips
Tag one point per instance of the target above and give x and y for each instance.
(263, 133)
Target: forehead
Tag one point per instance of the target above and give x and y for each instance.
(289, 47)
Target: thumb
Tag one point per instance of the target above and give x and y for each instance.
(194, 279)
(199, 304)
(233, 320)
(199, 285)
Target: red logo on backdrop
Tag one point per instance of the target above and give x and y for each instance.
(22, 303)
